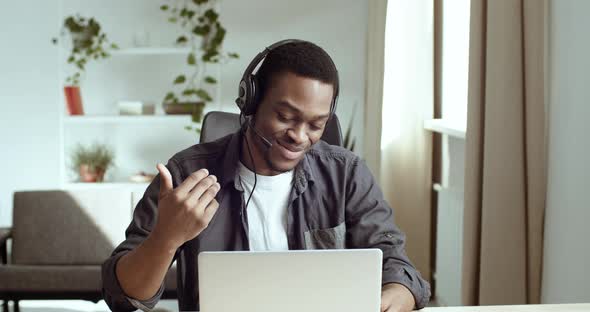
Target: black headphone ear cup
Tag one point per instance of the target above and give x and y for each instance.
(254, 95)
(242, 95)
(250, 97)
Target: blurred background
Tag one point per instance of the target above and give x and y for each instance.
(470, 114)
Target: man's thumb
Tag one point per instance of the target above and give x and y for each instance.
(165, 179)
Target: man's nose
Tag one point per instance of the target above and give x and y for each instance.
(298, 134)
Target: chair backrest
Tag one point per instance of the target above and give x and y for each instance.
(58, 227)
(219, 124)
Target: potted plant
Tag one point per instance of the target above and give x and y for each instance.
(203, 33)
(88, 42)
(92, 162)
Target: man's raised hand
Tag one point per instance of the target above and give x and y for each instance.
(184, 212)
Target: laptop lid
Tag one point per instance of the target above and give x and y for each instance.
(291, 281)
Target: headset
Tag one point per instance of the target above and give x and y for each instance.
(248, 95)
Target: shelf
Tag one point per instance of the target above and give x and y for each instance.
(445, 127)
(151, 51)
(105, 185)
(101, 119)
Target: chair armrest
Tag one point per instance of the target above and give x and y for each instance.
(5, 234)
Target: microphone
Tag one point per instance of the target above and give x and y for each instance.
(266, 142)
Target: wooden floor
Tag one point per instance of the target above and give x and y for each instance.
(80, 306)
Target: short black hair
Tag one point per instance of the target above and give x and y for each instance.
(302, 58)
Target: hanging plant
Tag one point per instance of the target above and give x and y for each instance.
(88, 42)
(203, 33)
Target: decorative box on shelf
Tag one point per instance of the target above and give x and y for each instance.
(151, 51)
(135, 108)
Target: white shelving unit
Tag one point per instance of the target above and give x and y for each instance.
(134, 126)
(139, 143)
(105, 185)
(122, 119)
(151, 51)
(133, 73)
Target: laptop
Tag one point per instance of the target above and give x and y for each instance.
(291, 281)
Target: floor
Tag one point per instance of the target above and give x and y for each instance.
(81, 306)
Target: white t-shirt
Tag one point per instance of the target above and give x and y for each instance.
(267, 211)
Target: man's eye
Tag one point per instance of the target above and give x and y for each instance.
(282, 117)
(316, 127)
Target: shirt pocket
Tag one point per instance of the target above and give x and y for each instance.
(330, 238)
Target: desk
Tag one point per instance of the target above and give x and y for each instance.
(517, 308)
(576, 307)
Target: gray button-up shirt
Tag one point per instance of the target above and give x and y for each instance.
(335, 203)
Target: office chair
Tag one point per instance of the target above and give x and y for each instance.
(219, 124)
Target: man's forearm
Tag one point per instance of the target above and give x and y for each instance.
(141, 271)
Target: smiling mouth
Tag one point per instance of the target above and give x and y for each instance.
(289, 152)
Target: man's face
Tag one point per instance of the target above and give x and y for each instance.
(292, 115)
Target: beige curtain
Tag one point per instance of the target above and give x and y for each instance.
(505, 178)
(397, 149)
(374, 84)
(406, 148)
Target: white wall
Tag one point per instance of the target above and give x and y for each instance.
(29, 89)
(567, 250)
(30, 79)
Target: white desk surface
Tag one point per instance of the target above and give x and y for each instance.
(575, 307)
(516, 308)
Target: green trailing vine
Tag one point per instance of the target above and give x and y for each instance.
(89, 42)
(203, 33)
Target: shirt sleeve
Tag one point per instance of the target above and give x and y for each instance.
(370, 224)
(144, 219)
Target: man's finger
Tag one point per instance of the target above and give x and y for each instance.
(207, 197)
(193, 198)
(192, 180)
(203, 186)
(211, 210)
(165, 179)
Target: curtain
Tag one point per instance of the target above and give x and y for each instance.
(374, 84)
(505, 175)
(406, 148)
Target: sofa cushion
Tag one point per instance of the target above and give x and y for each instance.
(58, 278)
(48, 278)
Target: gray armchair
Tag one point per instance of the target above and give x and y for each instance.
(5, 234)
(59, 241)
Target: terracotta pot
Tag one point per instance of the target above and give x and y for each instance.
(73, 100)
(89, 175)
(186, 108)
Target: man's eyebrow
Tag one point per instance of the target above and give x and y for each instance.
(288, 105)
(291, 107)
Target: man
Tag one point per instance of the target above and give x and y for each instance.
(271, 186)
